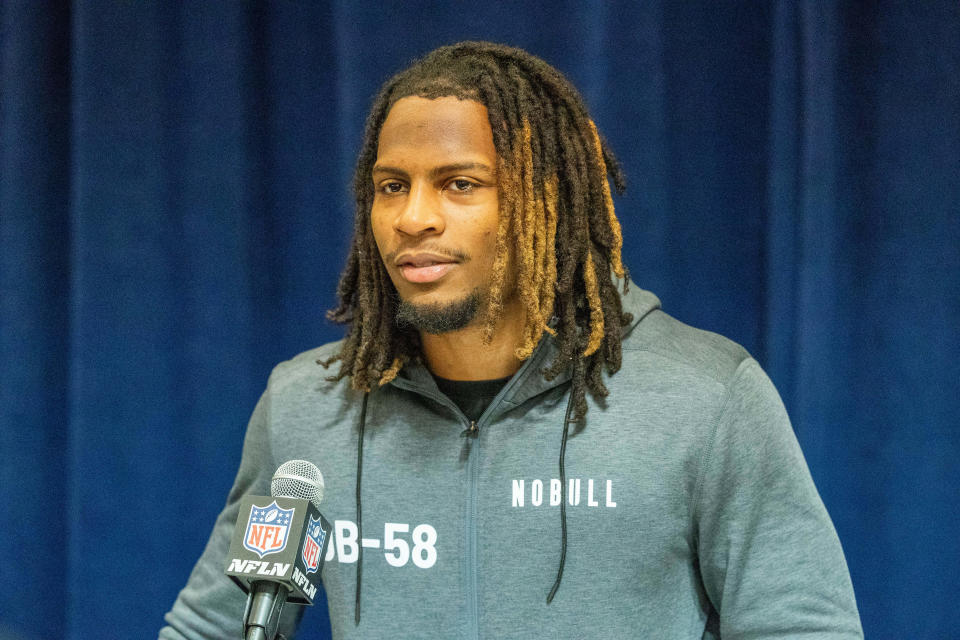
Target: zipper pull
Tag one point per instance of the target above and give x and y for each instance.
(470, 432)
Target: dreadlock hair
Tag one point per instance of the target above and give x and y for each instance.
(555, 204)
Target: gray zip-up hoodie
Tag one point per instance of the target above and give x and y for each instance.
(690, 511)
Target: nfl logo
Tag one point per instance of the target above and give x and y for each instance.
(312, 545)
(267, 529)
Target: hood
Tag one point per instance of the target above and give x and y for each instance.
(638, 303)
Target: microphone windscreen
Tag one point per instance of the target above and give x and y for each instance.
(298, 479)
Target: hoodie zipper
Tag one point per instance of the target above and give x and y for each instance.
(471, 589)
(472, 431)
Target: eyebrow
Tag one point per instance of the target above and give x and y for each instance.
(436, 171)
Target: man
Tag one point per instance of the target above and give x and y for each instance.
(516, 443)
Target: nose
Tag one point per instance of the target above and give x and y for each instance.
(421, 214)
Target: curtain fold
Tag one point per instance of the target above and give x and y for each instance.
(35, 281)
(175, 211)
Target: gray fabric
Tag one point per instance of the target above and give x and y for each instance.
(717, 528)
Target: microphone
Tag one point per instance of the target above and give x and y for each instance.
(278, 546)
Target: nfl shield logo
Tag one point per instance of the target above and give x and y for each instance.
(267, 529)
(313, 544)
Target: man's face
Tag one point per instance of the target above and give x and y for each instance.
(435, 209)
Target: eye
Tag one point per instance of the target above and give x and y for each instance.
(461, 185)
(392, 186)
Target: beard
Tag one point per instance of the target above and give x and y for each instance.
(437, 318)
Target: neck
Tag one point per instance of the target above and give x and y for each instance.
(462, 355)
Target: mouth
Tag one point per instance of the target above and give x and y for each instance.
(424, 267)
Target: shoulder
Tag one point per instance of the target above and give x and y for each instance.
(307, 369)
(710, 354)
(655, 336)
(304, 398)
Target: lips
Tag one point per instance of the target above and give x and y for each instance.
(424, 267)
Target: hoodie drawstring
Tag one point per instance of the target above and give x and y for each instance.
(363, 421)
(563, 500)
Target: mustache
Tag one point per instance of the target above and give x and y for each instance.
(453, 254)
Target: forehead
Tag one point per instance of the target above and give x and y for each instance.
(444, 126)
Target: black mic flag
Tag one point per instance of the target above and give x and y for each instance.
(278, 546)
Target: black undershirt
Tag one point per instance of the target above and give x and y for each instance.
(472, 396)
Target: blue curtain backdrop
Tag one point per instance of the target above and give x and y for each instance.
(174, 212)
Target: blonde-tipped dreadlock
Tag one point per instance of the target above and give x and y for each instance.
(616, 258)
(556, 221)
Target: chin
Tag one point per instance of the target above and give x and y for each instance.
(439, 314)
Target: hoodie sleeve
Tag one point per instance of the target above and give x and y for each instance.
(210, 605)
(769, 556)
